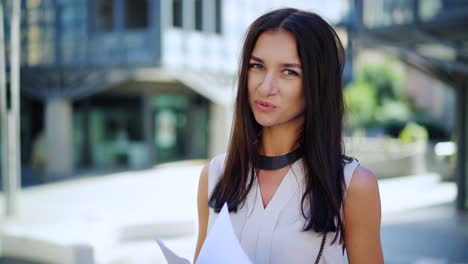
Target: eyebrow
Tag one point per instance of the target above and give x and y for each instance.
(288, 65)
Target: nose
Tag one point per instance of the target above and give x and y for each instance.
(268, 85)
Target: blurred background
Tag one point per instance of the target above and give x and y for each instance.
(110, 108)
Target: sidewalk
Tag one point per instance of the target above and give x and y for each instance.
(420, 224)
(104, 213)
(433, 235)
(112, 219)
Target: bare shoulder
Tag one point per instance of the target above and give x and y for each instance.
(362, 216)
(204, 173)
(203, 184)
(363, 197)
(363, 180)
(203, 211)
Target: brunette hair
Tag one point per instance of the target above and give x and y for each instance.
(322, 59)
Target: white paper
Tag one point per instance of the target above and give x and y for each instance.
(221, 245)
(170, 256)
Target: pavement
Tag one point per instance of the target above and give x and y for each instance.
(431, 235)
(112, 218)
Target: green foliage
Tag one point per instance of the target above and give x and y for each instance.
(375, 103)
(413, 133)
(385, 79)
(393, 110)
(375, 96)
(360, 99)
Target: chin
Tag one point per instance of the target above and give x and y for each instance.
(265, 122)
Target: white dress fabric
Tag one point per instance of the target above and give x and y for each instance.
(274, 234)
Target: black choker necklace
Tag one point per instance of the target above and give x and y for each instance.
(278, 162)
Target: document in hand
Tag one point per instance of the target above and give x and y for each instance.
(221, 245)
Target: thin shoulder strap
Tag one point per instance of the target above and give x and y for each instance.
(322, 245)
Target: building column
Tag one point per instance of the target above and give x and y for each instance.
(188, 12)
(148, 129)
(163, 9)
(190, 131)
(209, 20)
(196, 132)
(462, 144)
(87, 153)
(58, 136)
(220, 128)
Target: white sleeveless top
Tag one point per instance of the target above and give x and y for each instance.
(274, 234)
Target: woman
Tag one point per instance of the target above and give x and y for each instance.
(311, 203)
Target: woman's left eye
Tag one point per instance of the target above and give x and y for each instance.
(257, 66)
(289, 72)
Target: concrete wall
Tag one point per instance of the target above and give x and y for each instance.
(220, 128)
(59, 129)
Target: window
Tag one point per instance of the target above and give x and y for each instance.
(198, 15)
(177, 13)
(218, 12)
(103, 15)
(136, 14)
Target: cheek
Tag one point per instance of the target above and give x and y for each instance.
(297, 96)
(303, 105)
(303, 102)
(254, 80)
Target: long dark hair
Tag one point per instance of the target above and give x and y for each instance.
(322, 58)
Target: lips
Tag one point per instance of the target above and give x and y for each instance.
(265, 106)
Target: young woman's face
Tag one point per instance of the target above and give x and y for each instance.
(276, 95)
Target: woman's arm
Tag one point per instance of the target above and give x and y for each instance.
(202, 202)
(362, 214)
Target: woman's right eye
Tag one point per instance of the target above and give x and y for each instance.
(257, 66)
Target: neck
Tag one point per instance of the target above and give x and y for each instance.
(278, 141)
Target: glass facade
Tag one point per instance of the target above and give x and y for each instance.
(198, 15)
(71, 32)
(381, 13)
(441, 9)
(53, 32)
(103, 16)
(39, 34)
(180, 127)
(170, 122)
(109, 130)
(218, 20)
(177, 16)
(62, 40)
(136, 14)
(33, 151)
(77, 33)
(129, 40)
